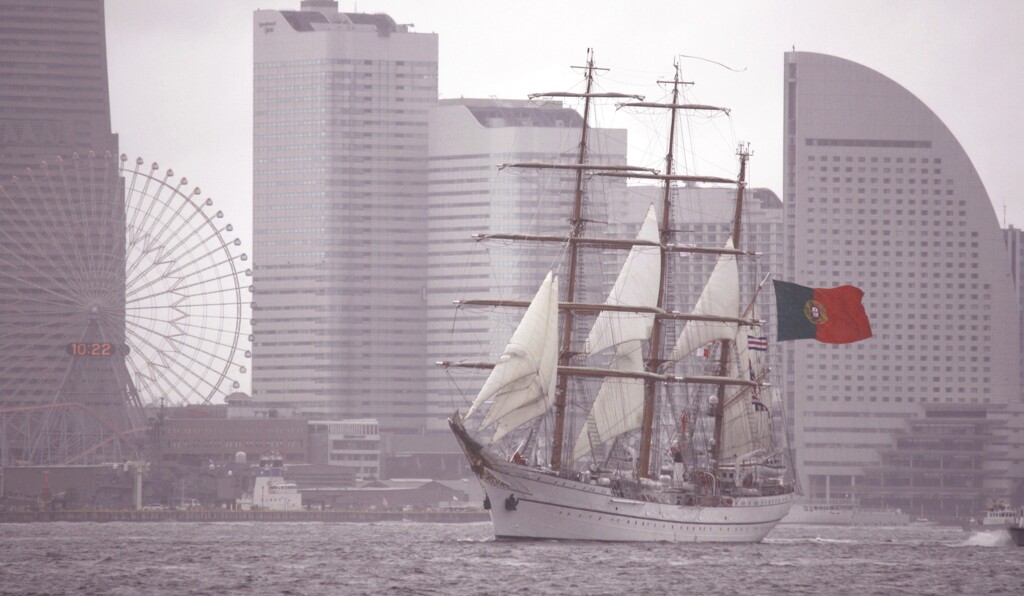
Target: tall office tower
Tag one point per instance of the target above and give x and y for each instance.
(879, 194)
(61, 227)
(54, 98)
(469, 138)
(340, 146)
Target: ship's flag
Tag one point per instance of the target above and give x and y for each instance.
(759, 344)
(833, 315)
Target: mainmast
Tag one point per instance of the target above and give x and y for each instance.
(655, 360)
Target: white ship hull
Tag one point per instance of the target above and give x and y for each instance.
(527, 503)
(538, 505)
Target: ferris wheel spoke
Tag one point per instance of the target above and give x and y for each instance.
(86, 206)
(196, 211)
(177, 288)
(13, 336)
(230, 259)
(31, 235)
(46, 233)
(175, 377)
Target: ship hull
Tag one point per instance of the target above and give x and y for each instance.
(530, 503)
(527, 503)
(1017, 535)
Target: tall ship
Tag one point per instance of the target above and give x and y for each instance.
(628, 420)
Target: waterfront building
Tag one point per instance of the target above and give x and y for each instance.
(879, 194)
(339, 165)
(351, 444)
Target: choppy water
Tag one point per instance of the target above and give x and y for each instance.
(407, 558)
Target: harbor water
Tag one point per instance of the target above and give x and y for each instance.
(424, 558)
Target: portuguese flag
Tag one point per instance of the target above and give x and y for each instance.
(832, 316)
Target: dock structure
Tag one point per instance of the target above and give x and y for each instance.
(226, 515)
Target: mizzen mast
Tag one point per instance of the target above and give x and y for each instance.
(723, 363)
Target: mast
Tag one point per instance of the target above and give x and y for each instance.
(654, 358)
(575, 232)
(723, 362)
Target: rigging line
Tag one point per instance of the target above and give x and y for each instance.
(713, 62)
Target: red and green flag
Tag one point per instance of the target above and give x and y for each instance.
(832, 316)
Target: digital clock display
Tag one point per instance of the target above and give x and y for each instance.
(91, 349)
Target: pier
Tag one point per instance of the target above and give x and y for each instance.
(226, 515)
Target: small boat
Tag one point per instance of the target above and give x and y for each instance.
(998, 514)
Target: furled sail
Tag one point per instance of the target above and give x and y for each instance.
(637, 285)
(521, 385)
(721, 297)
(746, 425)
(619, 405)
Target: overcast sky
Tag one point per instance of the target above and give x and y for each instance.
(181, 70)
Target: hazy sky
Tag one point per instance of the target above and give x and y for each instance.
(181, 70)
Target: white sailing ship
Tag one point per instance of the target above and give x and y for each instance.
(648, 463)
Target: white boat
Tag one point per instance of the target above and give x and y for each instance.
(270, 491)
(723, 479)
(843, 512)
(998, 515)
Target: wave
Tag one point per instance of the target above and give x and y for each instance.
(987, 538)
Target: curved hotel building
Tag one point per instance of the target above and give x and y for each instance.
(879, 194)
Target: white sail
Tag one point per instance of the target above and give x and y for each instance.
(637, 285)
(619, 405)
(521, 386)
(737, 438)
(721, 297)
(745, 418)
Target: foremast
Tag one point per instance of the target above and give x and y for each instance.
(574, 242)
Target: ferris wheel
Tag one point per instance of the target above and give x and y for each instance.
(118, 269)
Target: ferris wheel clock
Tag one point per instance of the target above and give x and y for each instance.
(91, 349)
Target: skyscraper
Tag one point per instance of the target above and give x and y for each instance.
(62, 237)
(879, 194)
(54, 98)
(340, 141)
